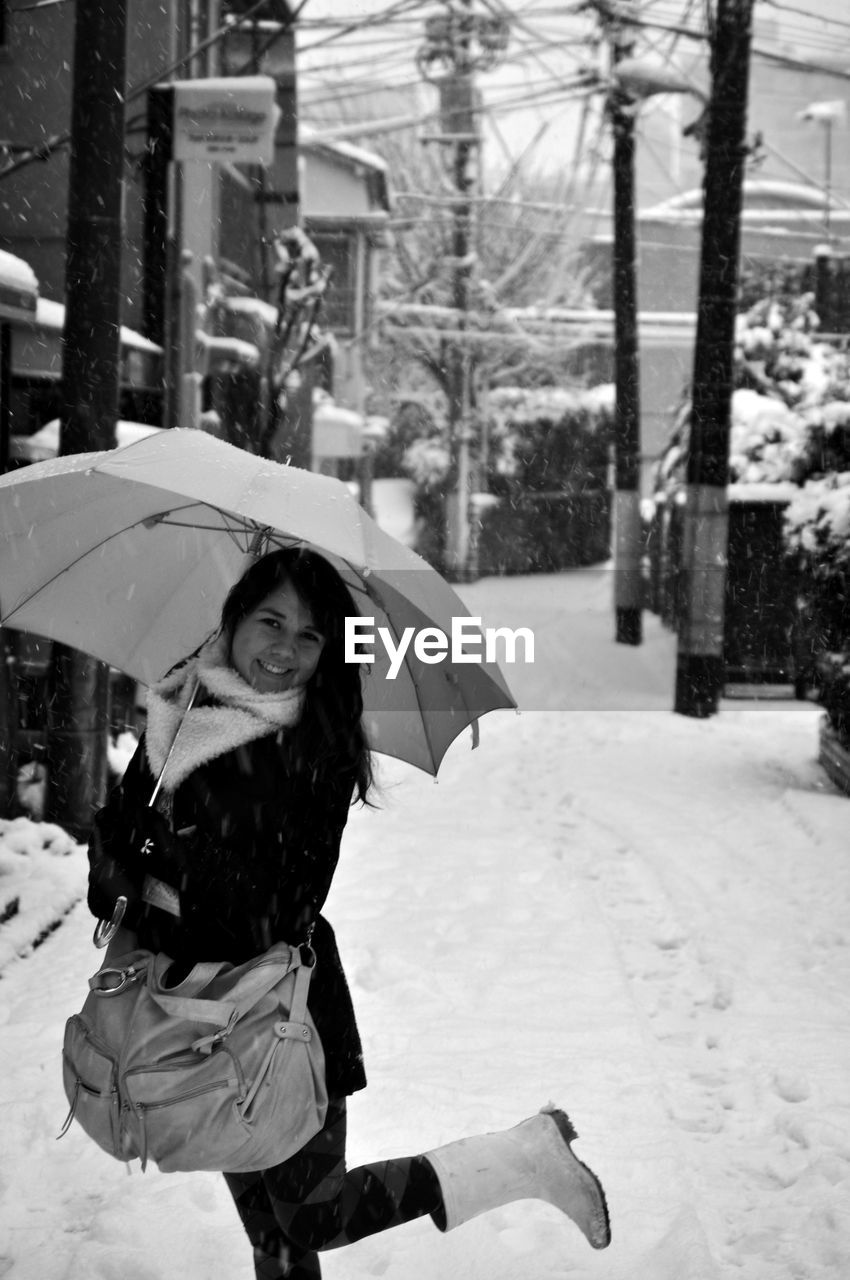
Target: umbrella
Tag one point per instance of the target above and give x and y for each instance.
(128, 554)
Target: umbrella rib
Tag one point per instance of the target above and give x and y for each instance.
(451, 680)
(421, 710)
(231, 532)
(419, 704)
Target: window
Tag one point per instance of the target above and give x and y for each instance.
(338, 251)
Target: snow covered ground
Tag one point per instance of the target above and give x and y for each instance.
(642, 917)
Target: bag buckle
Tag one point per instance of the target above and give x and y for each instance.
(206, 1044)
(108, 977)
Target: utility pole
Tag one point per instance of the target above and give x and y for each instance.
(159, 246)
(628, 540)
(463, 123)
(78, 728)
(457, 44)
(699, 669)
(287, 435)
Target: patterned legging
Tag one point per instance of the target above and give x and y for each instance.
(310, 1202)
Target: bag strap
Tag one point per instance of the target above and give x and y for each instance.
(251, 987)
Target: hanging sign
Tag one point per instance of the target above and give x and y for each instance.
(229, 119)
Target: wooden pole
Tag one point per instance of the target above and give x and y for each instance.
(628, 541)
(79, 712)
(699, 670)
(460, 117)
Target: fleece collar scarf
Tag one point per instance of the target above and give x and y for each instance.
(230, 714)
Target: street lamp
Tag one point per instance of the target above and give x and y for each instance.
(827, 114)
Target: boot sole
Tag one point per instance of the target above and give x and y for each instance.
(567, 1130)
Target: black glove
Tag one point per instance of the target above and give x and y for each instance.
(156, 849)
(108, 881)
(148, 872)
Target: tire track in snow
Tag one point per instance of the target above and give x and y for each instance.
(732, 994)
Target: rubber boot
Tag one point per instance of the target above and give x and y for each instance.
(532, 1161)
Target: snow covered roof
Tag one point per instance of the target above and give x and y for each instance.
(763, 201)
(18, 288)
(369, 169)
(263, 311)
(664, 328)
(51, 315)
(309, 137)
(44, 443)
(763, 491)
(217, 353)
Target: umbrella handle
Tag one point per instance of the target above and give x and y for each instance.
(105, 930)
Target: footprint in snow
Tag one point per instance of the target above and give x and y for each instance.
(791, 1088)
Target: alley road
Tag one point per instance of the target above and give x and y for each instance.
(639, 916)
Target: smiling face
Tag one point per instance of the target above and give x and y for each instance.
(277, 645)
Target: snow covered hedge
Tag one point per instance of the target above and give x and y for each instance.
(791, 422)
(545, 446)
(547, 466)
(817, 533)
(43, 873)
(790, 403)
(817, 527)
(548, 437)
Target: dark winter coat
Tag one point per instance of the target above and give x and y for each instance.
(256, 848)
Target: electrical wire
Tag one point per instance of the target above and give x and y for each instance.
(368, 20)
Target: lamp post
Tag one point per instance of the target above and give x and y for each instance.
(826, 114)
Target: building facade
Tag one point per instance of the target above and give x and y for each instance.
(221, 221)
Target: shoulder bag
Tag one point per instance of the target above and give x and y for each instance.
(223, 1071)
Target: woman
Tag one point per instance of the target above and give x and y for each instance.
(239, 852)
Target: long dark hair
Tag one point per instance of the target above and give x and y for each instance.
(330, 734)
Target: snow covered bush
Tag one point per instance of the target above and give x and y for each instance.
(427, 462)
(547, 461)
(817, 526)
(790, 405)
(790, 422)
(42, 874)
(834, 692)
(767, 440)
(549, 438)
(817, 533)
(540, 442)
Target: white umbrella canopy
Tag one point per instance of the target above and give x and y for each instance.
(128, 555)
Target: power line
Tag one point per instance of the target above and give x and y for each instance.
(353, 50)
(368, 20)
(758, 51)
(545, 96)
